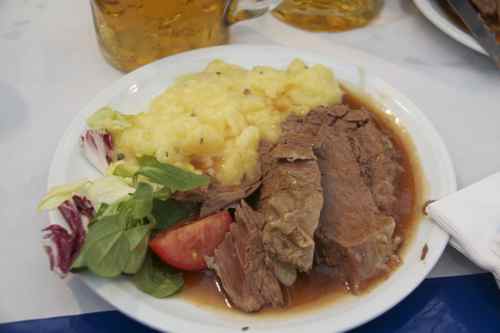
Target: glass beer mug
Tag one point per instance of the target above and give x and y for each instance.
(328, 15)
(132, 33)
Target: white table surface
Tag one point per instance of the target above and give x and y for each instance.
(50, 67)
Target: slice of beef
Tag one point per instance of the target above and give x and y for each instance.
(217, 197)
(374, 150)
(486, 7)
(377, 157)
(353, 234)
(239, 262)
(291, 199)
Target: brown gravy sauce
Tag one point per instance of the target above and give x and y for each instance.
(320, 287)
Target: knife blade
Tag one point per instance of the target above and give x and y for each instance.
(478, 28)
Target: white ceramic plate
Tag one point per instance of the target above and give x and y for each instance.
(435, 13)
(132, 94)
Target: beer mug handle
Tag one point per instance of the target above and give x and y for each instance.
(239, 10)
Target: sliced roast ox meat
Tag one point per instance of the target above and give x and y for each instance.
(291, 199)
(328, 187)
(358, 170)
(239, 262)
(217, 197)
(377, 157)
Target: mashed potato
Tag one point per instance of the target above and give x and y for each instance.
(213, 121)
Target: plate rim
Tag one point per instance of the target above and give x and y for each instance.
(446, 26)
(178, 324)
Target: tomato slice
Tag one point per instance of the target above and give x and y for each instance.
(184, 247)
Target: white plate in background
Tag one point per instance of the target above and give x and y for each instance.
(133, 92)
(435, 13)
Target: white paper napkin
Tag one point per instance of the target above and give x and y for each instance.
(472, 218)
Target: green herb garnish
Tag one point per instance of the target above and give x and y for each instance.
(174, 178)
(157, 279)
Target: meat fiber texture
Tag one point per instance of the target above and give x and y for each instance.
(291, 200)
(239, 262)
(358, 170)
(328, 191)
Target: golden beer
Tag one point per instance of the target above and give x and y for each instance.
(328, 15)
(132, 33)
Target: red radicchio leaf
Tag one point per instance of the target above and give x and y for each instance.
(66, 245)
(98, 148)
(73, 217)
(50, 254)
(108, 141)
(89, 138)
(84, 206)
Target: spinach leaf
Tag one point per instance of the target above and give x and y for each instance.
(174, 178)
(162, 194)
(106, 250)
(136, 234)
(109, 257)
(117, 240)
(169, 212)
(138, 238)
(142, 200)
(106, 210)
(157, 279)
(137, 256)
(101, 211)
(92, 235)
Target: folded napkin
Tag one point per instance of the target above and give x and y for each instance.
(472, 218)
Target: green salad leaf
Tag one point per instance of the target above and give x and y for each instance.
(142, 201)
(106, 248)
(162, 194)
(174, 178)
(106, 210)
(169, 212)
(105, 190)
(118, 236)
(58, 194)
(108, 190)
(137, 255)
(123, 169)
(157, 279)
(108, 119)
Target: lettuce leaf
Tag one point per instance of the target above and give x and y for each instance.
(138, 238)
(157, 279)
(118, 236)
(108, 119)
(172, 177)
(106, 249)
(108, 190)
(169, 212)
(57, 195)
(122, 169)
